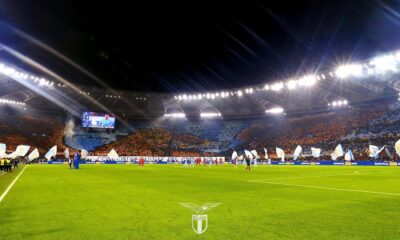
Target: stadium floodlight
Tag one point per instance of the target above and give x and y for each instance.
(210, 114)
(11, 102)
(175, 115)
(239, 93)
(291, 84)
(277, 86)
(345, 71)
(199, 96)
(184, 97)
(208, 95)
(385, 63)
(339, 103)
(276, 110)
(266, 87)
(308, 80)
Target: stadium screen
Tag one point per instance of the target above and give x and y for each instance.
(98, 120)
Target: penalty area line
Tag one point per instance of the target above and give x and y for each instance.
(326, 188)
(11, 185)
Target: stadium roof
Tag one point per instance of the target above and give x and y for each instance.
(348, 85)
(211, 60)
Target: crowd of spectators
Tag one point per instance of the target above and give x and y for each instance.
(353, 128)
(42, 132)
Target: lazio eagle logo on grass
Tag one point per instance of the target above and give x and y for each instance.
(200, 220)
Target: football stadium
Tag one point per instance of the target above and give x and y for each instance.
(247, 120)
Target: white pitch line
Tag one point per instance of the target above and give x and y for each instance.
(11, 185)
(326, 188)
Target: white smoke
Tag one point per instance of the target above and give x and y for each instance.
(69, 128)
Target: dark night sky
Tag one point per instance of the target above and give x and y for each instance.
(199, 45)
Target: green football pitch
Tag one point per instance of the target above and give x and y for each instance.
(270, 202)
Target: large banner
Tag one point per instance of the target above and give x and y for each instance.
(151, 159)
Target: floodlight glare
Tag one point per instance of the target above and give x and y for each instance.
(308, 80)
(175, 115)
(277, 110)
(277, 86)
(291, 84)
(385, 63)
(210, 115)
(345, 71)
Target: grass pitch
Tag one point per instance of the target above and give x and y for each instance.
(271, 202)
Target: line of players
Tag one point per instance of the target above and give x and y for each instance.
(199, 161)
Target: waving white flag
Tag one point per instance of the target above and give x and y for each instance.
(380, 150)
(51, 153)
(373, 151)
(234, 155)
(248, 154)
(22, 150)
(280, 154)
(316, 152)
(240, 158)
(265, 154)
(13, 155)
(397, 147)
(349, 156)
(2, 150)
(66, 153)
(297, 152)
(255, 154)
(33, 155)
(339, 151)
(113, 155)
(84, 153)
